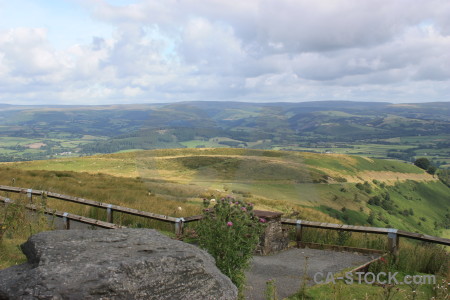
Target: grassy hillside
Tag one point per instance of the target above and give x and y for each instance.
(349, 189)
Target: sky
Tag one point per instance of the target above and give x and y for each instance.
(153, 51)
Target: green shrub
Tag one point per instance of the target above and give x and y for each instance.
(432, 170)
(371, 218)
(343, 237)
(340, 179)
(375, 200)
(230, 233)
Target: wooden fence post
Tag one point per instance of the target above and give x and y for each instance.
(393, 242)
(30, 195)
(66, 221)
(109, 214)
(44, 199)
(6, 202)
(298, 233)
(179, 224)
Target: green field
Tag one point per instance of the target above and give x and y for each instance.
(202, 144)
(370, 150)
(20, 148)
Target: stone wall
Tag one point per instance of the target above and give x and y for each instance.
(274, 239)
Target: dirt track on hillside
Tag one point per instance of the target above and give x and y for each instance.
(388, 177)
(392, 177)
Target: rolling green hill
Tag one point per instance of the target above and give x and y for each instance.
(379, 130)
(352, 189)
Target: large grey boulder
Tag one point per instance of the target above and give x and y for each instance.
(113, 264)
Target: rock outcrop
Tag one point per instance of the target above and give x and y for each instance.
(113, 264)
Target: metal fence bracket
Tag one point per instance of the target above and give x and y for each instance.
(66, 221)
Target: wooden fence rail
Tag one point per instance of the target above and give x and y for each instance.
(376, 230)
(392, 233)
(66, 216)
(110, 208)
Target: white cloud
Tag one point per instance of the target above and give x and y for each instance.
(250, 50)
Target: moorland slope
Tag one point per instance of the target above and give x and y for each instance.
(351, 189)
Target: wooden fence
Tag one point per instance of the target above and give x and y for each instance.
(66, 216)
(393, 235)
(110, 208)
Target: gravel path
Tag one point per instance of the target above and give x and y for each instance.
(287, 269)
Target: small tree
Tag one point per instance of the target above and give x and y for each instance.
(230, 232)
(422, 163)
(431, 170)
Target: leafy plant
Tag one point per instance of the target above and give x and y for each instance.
(230, 232)
(343, 237)
(271, 290)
